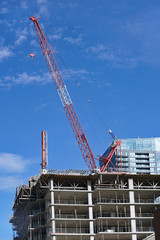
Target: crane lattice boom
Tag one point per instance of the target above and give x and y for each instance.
(65, 98)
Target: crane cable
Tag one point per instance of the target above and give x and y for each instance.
(84, 94)
(78, 85)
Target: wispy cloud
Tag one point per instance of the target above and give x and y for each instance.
(10, 183)
(43, 6)
(75, 74)
(55, 36)
(23, 4)
(21, 35)
(42, 106)
(34, 43)
(12, 169)
(12, 162)
(4, 10)
(142, 35)
(68, 4)
(82, 74)
(24, 79)
(41, 1)
(76, 41)
(5, 52)
(114, 57)
(58, 33)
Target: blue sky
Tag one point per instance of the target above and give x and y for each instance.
(113, 50)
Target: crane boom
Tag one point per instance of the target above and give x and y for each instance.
(65, 98)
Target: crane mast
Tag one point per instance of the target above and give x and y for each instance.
(44, 150)
(65, 98)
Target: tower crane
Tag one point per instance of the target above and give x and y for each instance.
(69, 107)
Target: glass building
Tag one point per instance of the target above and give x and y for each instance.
(139, 156)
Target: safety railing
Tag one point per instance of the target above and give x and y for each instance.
(72, 230)
(70, 202)
(147, 200)
(144, 215)
(111, 214)
(145, 229)
(110, 200)
(112, 229)
(78, 216)
(110, 186)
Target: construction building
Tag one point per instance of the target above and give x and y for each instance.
(157, 224)
(138, 155)
(150, 237)
(75, 205)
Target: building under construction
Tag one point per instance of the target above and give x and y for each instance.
(75, 205)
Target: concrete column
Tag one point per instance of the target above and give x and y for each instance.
(91, 226)
(52, 209)
(30, 226)
(132, 209)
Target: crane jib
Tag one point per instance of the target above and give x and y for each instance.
(65, 98)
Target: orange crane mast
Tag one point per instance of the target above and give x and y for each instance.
(44, 150)
(69, 107)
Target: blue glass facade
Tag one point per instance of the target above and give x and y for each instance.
(139, 155)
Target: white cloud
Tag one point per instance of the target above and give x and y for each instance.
(43, 8)
(68, 4)
(34, 43)
(5, 52)
(55, 36)
(20, 39)
(23, 4)
(114, 56)
(82, 74)
(9, 183)
(12, 162)
(4, 10)
(57, 33)
(42, 106)
(21, 36)
(142, 31)
(12, 169)
(2, 40)
(24, 79)
(76, 41)
(41, 1)
(73, 5)
(74, 73)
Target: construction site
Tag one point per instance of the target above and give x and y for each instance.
(114, 200)
(77, 205)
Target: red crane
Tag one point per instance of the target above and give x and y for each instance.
(67, 103)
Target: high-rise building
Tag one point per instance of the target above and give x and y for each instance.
(75, 205)
(139, 155)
